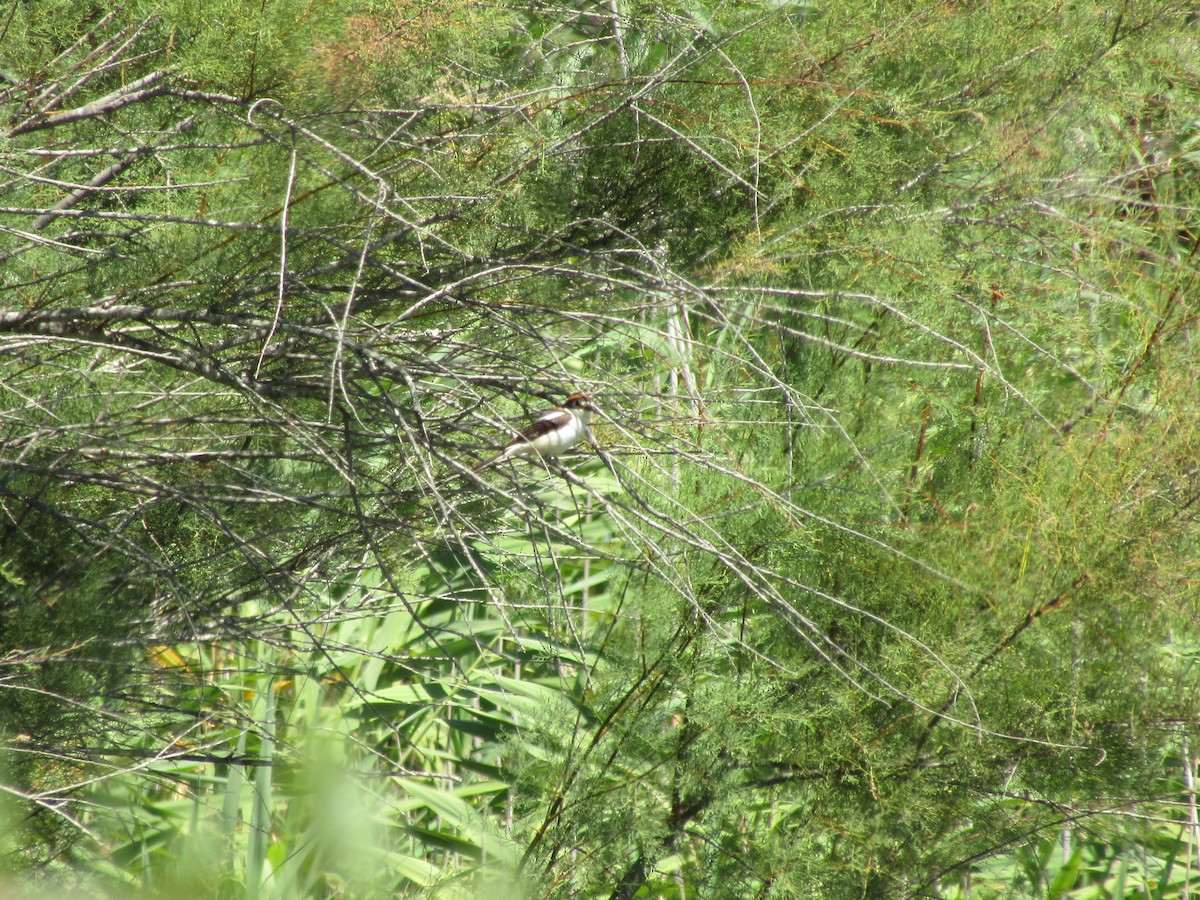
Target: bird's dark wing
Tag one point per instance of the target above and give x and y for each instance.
(556, 418)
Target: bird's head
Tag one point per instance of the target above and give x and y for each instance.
(581, 405)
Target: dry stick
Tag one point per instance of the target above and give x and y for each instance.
(93, 65)
(46, 97)
(102, 178)
(1193, 819)
(283, 248)
(149, 86)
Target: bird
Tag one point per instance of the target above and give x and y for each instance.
(555, 431)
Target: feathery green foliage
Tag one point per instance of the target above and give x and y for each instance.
(876, 580)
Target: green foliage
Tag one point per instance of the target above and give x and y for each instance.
(876, 580)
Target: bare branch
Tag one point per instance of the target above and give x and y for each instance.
(144, 88)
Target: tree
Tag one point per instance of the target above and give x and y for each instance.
(875, 583)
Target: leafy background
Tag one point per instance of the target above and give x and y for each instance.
(877, 579)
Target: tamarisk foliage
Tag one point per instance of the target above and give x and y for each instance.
(877, 578)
